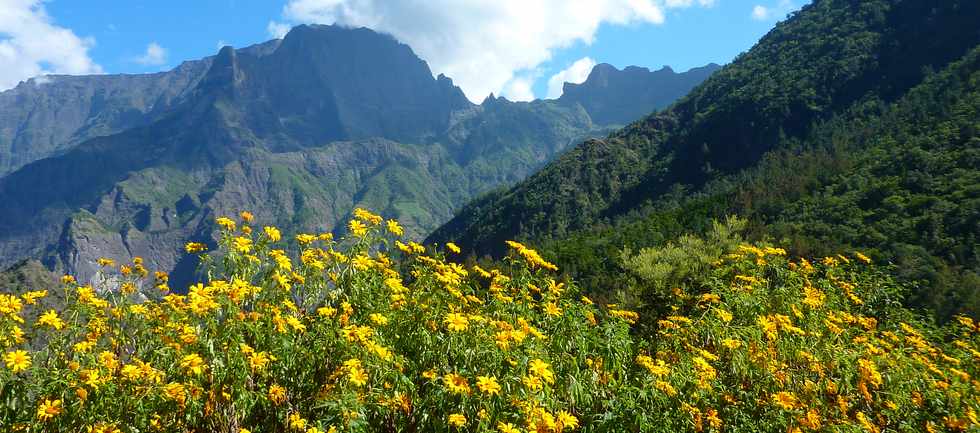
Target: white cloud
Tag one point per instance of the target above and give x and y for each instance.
(483, 45)
(576, 73)
(519, 89)
(766, 13)
(277, 30)
(31, 45)
(155, 55)
(689, 3)
(41, 80)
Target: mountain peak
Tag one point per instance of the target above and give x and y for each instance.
(613, 96)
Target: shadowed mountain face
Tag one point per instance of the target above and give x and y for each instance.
(298, 131)
(613, 96)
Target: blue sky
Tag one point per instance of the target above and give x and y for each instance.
(690, 33)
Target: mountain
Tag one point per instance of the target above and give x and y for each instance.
(850, 125)
(48, 115)
(299, 131)
(613, 96)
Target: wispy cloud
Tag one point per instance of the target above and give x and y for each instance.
(155, 55)
(31, 45)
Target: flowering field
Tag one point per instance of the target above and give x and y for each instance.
(376, 333)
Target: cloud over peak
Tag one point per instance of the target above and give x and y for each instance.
(31, 45)
(576, 73)
(484, 45)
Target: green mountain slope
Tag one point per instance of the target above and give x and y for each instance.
(782, 111)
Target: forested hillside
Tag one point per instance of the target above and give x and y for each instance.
(815, 135)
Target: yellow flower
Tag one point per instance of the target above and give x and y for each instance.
(17, 360)
(394, 228)
(706, 372)
(862, 257)
(83, 346)
(367, 216)
(296, 324)
(50, 318)
(566, 421)
(488, 385)
(456, 322)
(869, 372)
(629, 316)
(259, 361)
(785, 400)
(811, 420)
(866, 423)
(175, 392)
(357, 228)
(713, 420)
(9, 304)
(457, 420)
(296, 422)
(453, 248)
(246, 216)
(769, 327)
(272, 233)
(813, 296)
(243, 244)
(305, 239)
(506, 427)
(666, 388)
(193, 363)
(195, 247)
(532, 383)
(277, 394)
(731, 343)
(552, 309)
(456, 384)
(30, 298)
(48, 409)
(542, 369)
(659, 368)
(357, 376)
(225, 223)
